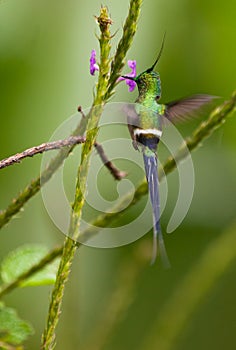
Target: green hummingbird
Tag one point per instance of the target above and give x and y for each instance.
(145, 127)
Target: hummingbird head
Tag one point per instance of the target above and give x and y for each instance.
(149, 82)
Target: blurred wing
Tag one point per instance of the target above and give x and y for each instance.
(131, 114)
(187, 108)
(132, 120)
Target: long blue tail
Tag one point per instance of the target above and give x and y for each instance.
(150, 162)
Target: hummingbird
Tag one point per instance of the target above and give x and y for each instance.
(145, 127)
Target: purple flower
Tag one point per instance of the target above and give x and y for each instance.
(93, 64)
(132, 74)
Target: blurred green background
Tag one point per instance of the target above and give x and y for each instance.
(44, 76)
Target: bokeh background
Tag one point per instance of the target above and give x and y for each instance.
(44, 75)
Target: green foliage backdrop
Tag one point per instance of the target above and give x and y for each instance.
(44, 55)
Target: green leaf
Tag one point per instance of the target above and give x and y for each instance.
(22, 259)
(13, 330)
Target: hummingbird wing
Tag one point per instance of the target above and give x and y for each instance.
(132, 120)
(187, 108)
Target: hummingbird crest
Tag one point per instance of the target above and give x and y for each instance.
(149, 82)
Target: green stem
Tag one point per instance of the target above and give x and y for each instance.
(69, 250)
(48, 338)
(206, 128)
(34, 187)
(47, 259)
(48, 341)
(92, 128)
(124, 44)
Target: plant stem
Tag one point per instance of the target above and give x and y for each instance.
(49, 146)
(48, 341)
(115, 172)
(124, 44)
(34, 186)
(48, 338)
(44, 147)
(47, 259)
(205, 129)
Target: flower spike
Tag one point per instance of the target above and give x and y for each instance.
(93, 65)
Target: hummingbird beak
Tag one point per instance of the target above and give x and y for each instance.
(126, 77)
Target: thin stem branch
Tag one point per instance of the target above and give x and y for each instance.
(49, 146)
(116, 173)
(34, 186)
(206, 128)
(47, 259)
(7, 346)
(17, 204)
(44, 147)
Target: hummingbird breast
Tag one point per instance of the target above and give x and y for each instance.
(148, 138)
(145, 124)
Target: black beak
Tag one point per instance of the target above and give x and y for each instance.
(126, 77)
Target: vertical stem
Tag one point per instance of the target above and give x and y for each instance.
(104, 87)
(124, 44)
(48, 341)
